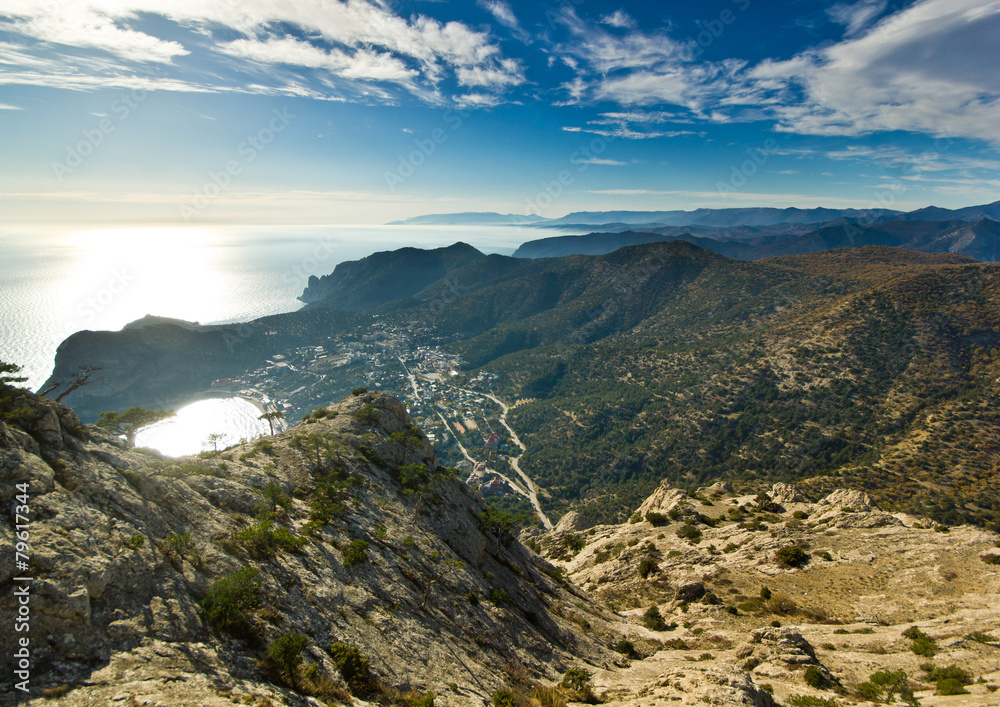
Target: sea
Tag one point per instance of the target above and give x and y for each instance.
(55, 281)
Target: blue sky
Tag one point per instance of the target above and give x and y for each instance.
(323, 111)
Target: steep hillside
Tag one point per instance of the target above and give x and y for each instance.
(880, 376)
(385, 276)
(333, 559)
(157, 364)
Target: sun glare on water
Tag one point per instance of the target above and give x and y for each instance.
(124, 274)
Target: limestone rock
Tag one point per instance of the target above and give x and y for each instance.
(848, 498)
(664, 499)
(786, 494)
(570, 523)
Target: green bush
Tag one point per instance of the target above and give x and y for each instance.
(922, 644)
(981, 637)
(647, 566)
(690, 533)
(811, 701)
(367, 414)
(500, 597)
(506, 698)
(135, 542)
(625, 647)
(356, 553)
(353, 666)
(263, 540)
(653, 620)
(359, 391)
(657, 519)
(951, 686)
(229, 601)
(791, 556)
(815, 678)
(285, 652)
(991, 559)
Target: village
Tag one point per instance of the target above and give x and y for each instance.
(463, 424)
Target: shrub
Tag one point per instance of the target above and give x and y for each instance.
(951, 686)
(991, 559)
(507, 698)
(815, 678)
(653, 620)
(765, 593)
(981, 637)
(884, 685)
(263, 540)
(472, 598)
(825, 554)
(577, 683)
(500, 597)
(625, 647)
(791, 556)
(690, 533)
(922, 644)
(353, 666)
(135, 542)
(782, 605)
(229, 601)
(356, 553)
(647, 566)
(359, 391)
(285, 653)
(811, 701)
(952, 672)
(367, 415)
(657, 519)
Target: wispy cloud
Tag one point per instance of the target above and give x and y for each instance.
(321, 49)
(929, 68)
(857, 16)
(600, 161)
(6, 106)
(620, 19)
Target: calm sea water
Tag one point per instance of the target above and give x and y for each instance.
(57, 282)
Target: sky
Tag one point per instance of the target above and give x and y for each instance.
(365, 111)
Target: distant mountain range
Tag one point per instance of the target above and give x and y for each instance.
(979, 240)
(470, 218)
(712, 218)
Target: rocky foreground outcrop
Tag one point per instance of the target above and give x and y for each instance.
(338, 563)
(809, 599)
(171, 581)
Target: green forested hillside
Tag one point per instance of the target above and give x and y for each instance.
(868, 367)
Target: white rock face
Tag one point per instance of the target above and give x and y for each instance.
(786, 494)
(125, 546)
(665, 498)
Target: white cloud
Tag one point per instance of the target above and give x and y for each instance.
(858, 16)
(501, 11)
(88, 27)
(931, 68)
(620, 19)
(353, 40)
(609, 163)
(362, 64)
(6, 106)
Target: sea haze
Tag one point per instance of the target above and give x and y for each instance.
(53, 284)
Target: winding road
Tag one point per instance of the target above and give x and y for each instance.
(528, 489)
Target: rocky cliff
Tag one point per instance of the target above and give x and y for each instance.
(338, 563)
(341, 542)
